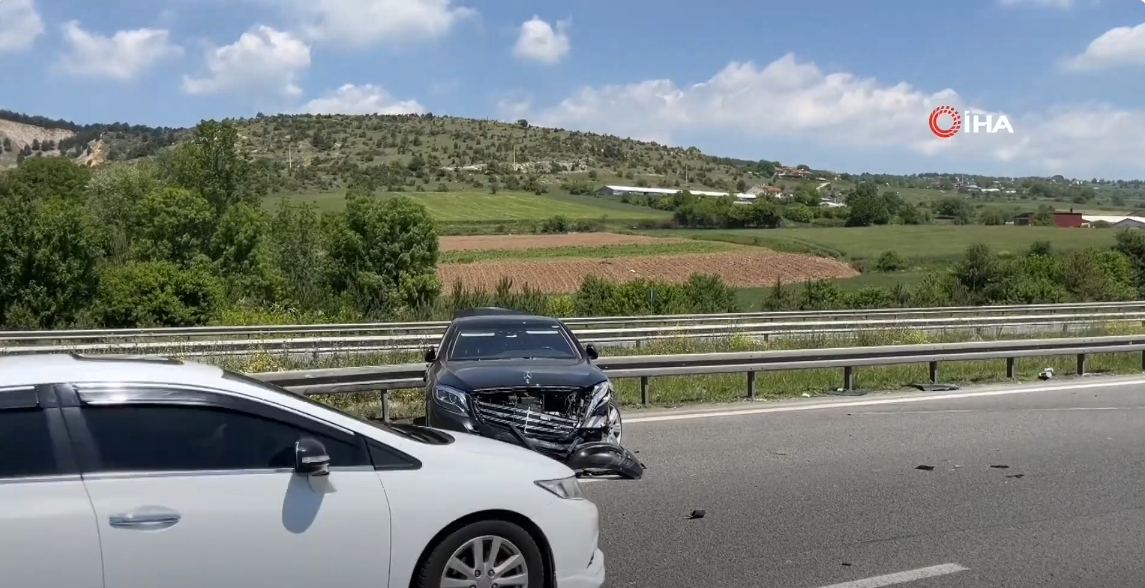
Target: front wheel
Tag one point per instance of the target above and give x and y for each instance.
(486, 554)
(615, 431)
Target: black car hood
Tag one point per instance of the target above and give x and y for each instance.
(474, 375)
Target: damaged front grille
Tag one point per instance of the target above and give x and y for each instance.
(545, 413)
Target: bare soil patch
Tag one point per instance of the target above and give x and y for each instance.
(744, 269)
(490, 242)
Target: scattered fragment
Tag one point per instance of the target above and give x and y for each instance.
(934, 387)
(1047, 374)
(1000, 467)
(1019, 476)
(806, 395)
(925, 468)
(848, 564)
(697, 514)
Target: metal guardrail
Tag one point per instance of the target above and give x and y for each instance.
(406, 376)
(190, 342)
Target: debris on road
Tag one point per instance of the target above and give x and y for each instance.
(925, 468)
(696, 514)
(1019, 476)
(934, 387)
(1047, 374)
(1000, 467)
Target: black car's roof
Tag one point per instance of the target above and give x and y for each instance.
(504, 320)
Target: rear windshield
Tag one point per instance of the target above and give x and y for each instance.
(512, 341)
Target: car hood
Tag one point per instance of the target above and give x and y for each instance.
(474, 375)
(481, 454)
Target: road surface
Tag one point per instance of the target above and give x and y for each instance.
(1043, 488)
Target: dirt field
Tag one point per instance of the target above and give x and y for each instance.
(739, 269)
(489, 242)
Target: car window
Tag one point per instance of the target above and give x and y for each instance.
(188, 438)
(27, 444)
(511, 342)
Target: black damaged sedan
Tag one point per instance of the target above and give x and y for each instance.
(527, 380)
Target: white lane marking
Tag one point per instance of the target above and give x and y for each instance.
(879, 402)
(1063, 409)
(902, 577)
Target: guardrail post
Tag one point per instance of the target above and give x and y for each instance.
(849, 378)
(386, 405)
(1011, 371)
(1081, 364)
(644, 396)
(751, 385)
(1143, 360)
(934, 372)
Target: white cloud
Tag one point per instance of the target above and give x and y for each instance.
(262, 60)
(540, 42)
(20, 25)
(358, 23)
(793, 100)
(1119, 47)
(367, 99)
(123, 56)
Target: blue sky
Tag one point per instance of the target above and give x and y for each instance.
(839, 85)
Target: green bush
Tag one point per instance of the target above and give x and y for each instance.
(891, 261)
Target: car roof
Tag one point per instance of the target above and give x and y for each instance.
(505, 320)
(27, 370)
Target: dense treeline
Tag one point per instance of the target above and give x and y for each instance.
(133, 141)
(184, 240)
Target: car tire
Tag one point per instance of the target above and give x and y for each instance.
(512, 537)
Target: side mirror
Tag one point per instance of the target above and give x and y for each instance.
(311, 458)
(590, 351)
(430, 355)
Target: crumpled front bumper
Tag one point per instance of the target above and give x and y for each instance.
(584, 457)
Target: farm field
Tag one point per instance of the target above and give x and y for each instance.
(658, 247)
(921, 243)
(554, 269)
(501, 207)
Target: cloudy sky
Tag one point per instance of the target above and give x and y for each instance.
(834, 84)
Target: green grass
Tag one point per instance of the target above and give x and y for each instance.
(920, 243)
(469, 207)
(602, 252)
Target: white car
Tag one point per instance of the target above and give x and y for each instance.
(147, 473)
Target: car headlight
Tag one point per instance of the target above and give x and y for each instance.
(601, 395)
(567, 488)
(451, 399)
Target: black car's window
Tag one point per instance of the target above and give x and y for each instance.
(147, 438)
(511, 342)
(27, 444)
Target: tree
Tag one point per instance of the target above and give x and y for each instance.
(212, 164)
(49, 251)
(46, 177)
(383, 252)
(867, 207)
(171, 224)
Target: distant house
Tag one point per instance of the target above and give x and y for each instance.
(1071, 219)
(645, 191)
(791, 172)
(1118, 221)
(765, 190)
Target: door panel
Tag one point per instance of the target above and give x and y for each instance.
(243, 529)
(46, 518)
(202, 494)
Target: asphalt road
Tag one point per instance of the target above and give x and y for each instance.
(831, 496)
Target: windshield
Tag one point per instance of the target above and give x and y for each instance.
(512, 342)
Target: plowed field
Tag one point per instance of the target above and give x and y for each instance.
(495, 242)
(744, 269)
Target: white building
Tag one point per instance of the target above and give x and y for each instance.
(637, 190)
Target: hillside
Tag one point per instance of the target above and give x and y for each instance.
(308, 154)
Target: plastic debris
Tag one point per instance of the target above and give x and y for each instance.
(697, 514)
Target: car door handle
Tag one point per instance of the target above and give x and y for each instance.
(146, 518)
